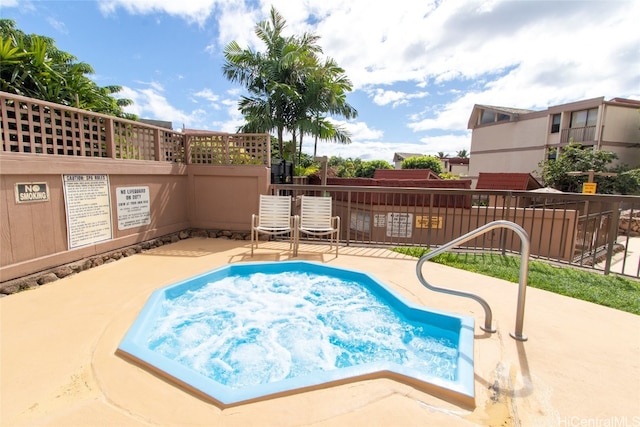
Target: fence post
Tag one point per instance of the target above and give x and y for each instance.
(110, 138)
(157, 149)
(613, 233)
(187, 149)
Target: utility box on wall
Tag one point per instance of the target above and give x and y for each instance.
(281, 172)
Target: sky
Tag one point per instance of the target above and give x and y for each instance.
(417, 66)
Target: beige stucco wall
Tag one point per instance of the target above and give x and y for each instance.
(621, 124)
(621, 134)
(508, 147)
(225, 197)
(33, 236)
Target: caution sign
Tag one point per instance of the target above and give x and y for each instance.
(32, 192)
(88, 206)
(589, 188)
(428, 221)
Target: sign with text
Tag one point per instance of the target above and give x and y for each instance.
(88, 207)
(399, 224)
(424, 221)
(134, 207)
(360, 222)
(32, 192)
(589, 188)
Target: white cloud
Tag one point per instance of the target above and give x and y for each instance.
(435, 58)
(395, 98)
(512, 53)
(360, 131)
(57, 25)
(192, 10)
(151, 104)
(208, 95)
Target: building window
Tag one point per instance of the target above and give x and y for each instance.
(584, 118)
(555, 123)
(487, 117)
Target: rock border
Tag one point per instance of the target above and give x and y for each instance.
(40, 278)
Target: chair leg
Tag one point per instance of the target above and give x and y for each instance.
(252, 234)
(295, 242)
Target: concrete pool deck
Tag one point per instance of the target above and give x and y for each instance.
(58, 367)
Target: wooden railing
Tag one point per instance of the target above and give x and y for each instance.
(30, 125)
(582, 134)
(582, 230)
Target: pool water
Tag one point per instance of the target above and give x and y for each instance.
(260, 328)
(246, 332)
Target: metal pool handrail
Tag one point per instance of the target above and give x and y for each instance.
(524, 270)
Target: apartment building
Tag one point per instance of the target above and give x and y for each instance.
(516, 140)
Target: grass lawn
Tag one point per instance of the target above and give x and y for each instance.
(611, 291)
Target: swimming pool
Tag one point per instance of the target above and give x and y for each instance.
(246, 332)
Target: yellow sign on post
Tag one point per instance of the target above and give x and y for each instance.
(589, 188)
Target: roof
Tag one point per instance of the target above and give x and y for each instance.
(457, 160)
(510, 111)
(625, 101)
(405, 174)
(398, 157)
(506, 110)
(506, 181)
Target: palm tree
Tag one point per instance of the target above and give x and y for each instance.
(442, 155)
(462, 154)
(287, 87)
(269, 77)
(326, 93)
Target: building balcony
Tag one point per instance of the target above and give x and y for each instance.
(582, 134)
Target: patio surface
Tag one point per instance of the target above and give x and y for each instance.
(580, 366)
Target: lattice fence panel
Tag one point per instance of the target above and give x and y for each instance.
(31, 127)
(209, 149)
(172, 147)
(133, 141)
(249, 148)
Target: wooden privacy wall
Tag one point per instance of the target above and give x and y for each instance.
(34, 235)
(190, 179)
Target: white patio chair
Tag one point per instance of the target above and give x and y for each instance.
(274, 218)
(316, 220)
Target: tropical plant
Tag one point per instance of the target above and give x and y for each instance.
(449, 175)
(442, 155)
(344, 168)
(368, 168)
(556, 172)
(324, 91)
(463, 154)
(288, 88)
(33, 66)
(305, 170)
(627, 181)
(423, 162)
